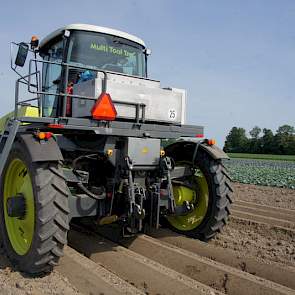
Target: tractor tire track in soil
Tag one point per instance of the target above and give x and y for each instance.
(170, 264)
(92, 278)
(268, 270)
(148, 275)
(268, 211)
(259, 218)
(157, 267)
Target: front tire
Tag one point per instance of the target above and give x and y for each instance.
(210, 189)
(33, 242)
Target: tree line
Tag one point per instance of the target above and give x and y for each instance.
(261, 141)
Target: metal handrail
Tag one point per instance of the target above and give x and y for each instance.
(16, 99)
(39, 92)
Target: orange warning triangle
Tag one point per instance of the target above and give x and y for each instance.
(104, 108)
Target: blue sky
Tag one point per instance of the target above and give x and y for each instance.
(236, 59)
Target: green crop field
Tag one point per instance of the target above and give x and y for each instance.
(262, 172)
(262, 156)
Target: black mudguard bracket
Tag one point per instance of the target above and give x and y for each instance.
(41, 151)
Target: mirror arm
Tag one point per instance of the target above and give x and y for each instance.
(20, 75)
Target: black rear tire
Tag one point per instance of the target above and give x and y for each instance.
(50, 194)
(220, 192)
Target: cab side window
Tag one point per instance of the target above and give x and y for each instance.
(52, 79)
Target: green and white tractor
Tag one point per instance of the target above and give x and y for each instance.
(84, 144)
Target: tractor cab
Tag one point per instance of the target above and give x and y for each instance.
(104, 48)
(87, 46)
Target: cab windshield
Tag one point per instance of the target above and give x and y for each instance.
(107, 52)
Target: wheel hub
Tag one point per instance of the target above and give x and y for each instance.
(192, 203)
(16, 206)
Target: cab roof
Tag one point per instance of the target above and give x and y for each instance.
(90, 28)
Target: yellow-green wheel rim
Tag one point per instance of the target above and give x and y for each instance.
(20, 230)
(198, 196)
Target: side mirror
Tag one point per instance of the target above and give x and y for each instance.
(22, 53)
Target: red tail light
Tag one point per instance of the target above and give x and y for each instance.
(56, 126)
(199, 135)
(104, 108)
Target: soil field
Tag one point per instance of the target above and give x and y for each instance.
(255, 254)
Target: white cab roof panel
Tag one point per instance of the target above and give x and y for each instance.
(91, 28)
